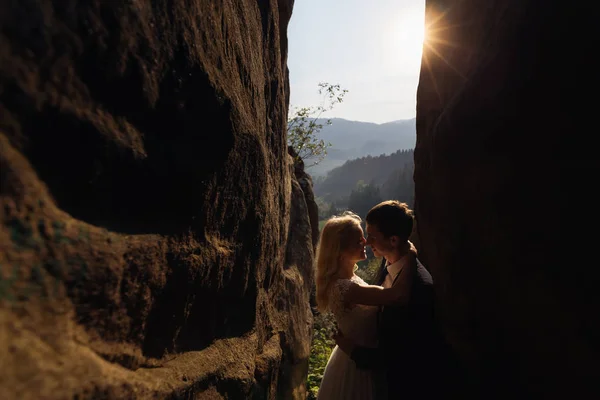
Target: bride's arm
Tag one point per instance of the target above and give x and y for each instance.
(376, 295)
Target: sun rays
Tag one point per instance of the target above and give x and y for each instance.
(435, 40)
(434, 37)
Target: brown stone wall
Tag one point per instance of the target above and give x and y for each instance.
(145, 202)
(504, 192)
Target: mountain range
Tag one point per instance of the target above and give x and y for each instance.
(355, 139)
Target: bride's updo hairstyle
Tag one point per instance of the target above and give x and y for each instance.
(336, 236)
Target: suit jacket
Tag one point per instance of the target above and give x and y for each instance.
(407, 339)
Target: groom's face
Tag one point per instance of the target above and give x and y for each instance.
(379, 244)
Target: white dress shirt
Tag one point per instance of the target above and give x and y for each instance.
(393, 271)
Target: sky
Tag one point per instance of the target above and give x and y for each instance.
(370, 48)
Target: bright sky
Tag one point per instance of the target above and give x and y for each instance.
(371, 48)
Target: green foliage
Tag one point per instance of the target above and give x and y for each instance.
(393, 174)
(303, 126)
(326, 210)
(368, 269)
(363, 198)
(321, 224)
(400, 185)
(333, 210)
(320, 349)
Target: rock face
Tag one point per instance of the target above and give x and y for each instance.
(305, 228)
(149, 211)
(502, 198)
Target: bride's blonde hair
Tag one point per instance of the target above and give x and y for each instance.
(336, 236)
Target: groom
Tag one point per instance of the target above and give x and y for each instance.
(407, 333)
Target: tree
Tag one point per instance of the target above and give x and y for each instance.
(400, 185)
(303, 125)
(333, 210)
(363, 198)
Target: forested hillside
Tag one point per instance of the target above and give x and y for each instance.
(364, 181)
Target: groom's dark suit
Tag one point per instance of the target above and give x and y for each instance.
(408, 339)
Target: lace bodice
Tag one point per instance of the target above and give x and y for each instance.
(356, 321)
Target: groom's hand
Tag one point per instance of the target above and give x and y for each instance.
(347, 345)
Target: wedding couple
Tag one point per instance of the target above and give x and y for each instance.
(386, 332)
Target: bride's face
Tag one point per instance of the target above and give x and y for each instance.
(356, 250)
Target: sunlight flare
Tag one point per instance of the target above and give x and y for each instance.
(437, 29)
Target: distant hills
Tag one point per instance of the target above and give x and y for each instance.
(354, 139)
(391, 174)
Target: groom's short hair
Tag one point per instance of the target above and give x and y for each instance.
(392, 218)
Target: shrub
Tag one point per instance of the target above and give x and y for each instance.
(320, 349)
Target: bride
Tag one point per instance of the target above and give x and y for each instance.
(343, 293)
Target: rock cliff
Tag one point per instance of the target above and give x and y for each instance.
(504, 192)
(155, 242)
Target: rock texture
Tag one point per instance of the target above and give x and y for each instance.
(305, 228)
(504, 188)
(149, 219)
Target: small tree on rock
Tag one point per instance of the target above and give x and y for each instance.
(303, 125)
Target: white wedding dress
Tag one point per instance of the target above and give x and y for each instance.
(341, 379)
